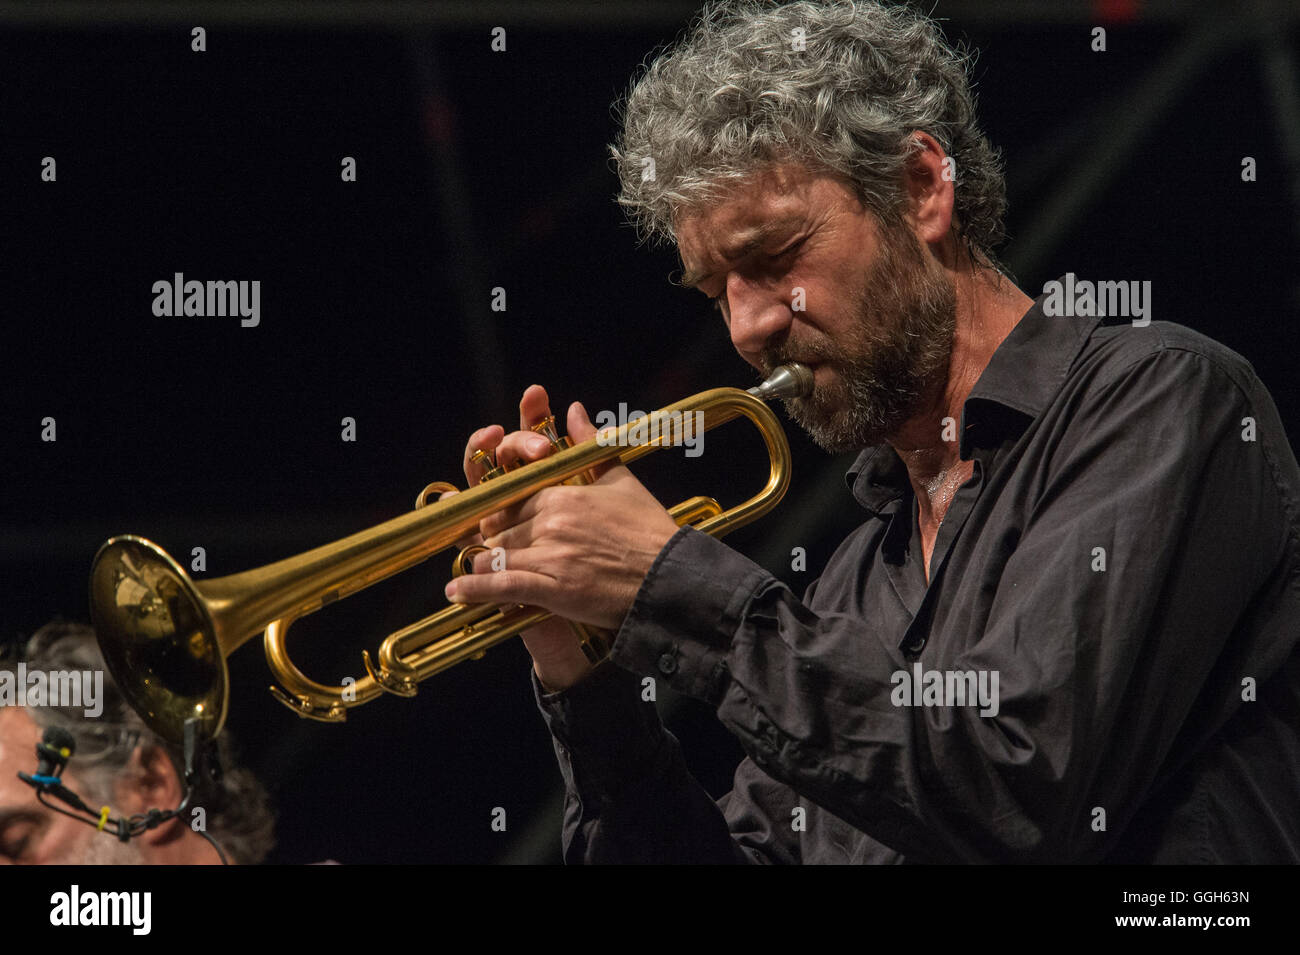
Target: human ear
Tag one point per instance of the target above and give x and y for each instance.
(930, 178)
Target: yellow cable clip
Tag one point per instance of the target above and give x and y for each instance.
(103, 819)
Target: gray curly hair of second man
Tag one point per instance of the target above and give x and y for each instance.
(838, 85)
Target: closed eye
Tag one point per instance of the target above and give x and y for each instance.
(792, 247)
(719, 301)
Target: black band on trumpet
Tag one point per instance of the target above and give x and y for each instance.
(594, 642)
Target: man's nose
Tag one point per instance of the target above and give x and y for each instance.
(758, 313)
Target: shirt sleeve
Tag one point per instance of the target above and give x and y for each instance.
(629, 797)
(1100, 671)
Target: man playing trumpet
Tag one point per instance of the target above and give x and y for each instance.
(1095, 523)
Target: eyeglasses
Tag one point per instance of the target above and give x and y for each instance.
(95, 741)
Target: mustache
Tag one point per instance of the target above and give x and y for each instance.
(807, 353)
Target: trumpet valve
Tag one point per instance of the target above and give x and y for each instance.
(546, 428)
(559, 442)
(488, 459)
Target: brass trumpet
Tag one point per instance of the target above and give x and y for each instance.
(166, 638)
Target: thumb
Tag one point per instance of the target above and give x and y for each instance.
(579, 428)
(578, 425)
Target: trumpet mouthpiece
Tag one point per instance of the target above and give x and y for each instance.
(786, 381)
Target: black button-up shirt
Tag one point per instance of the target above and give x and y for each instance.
(1115, 589)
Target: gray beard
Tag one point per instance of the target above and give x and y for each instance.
(897, 351)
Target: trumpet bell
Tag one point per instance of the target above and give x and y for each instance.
(158, 638)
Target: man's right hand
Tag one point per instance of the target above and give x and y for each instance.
(557, 656)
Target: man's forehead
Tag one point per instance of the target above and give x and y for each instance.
(777, 199)
(749, 201)
(729, 244)
(17, 732)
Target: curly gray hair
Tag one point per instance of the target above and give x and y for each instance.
(238, 811)
(838, 85)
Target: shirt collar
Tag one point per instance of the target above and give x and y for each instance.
(1021, 378)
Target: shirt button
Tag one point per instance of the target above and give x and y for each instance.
(667, 664)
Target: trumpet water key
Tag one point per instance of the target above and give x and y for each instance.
(166, 637)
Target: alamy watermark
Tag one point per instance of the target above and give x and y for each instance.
(61, 688)
(129, 909)
(179, 298)
(662, 428)
(946, 688)
(1100, 299)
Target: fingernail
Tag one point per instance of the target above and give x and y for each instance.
(450, 591)
(538, 444)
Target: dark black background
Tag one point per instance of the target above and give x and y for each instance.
(479, 169)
